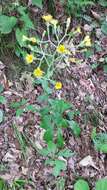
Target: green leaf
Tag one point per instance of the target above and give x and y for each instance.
(66, 153)
(16, 105)
(44, 152)
(19, 182)
(60, 140)
(93, 134)
(51, 149)
(101, 184)
(30, 108)
(48, 135)
(21, 140)
(19, 37)
(19, 112)
(27, 22)
(46, 122)
(104, 27)
(105, 68)
(38, 3)
(89, 53)
(1, 115)
(3, 185)
(61, 184)
(45, 86)
(25, 18)
(75, 127)
(94, 65)
(1, 88)
(2, 100)
(21, 10)
(43, 98)
(81, 185)
(100, 142)
(49, 162)
(103, 3)
(59, 105)
(59, 166)
(7, 23)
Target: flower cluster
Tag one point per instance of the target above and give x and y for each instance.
(59, 51)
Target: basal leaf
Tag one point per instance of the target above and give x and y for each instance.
(48, 135)
(66, 153)
(81, 185)
(38, 3)
(7, 23)
(2, 100)
(101, 184)
(100, 142)
(60, 140)
(105, 68)
(59, 166)
(19, 112)
(19, 37)
(1, 88)
(104, 27)
(75, 128)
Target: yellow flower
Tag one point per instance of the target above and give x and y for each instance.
(78, 30)
(87, 41)
(32, 39)
(38, 72)
(62, 49)
(29, 58)
(58, 85)
(54, 22)
(47, 18)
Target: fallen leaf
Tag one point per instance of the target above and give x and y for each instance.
(87, 161)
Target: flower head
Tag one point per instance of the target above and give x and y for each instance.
(47, 18)
(87, 41)
(38, 72)
(58, 85)
(29, 58)
(32, 39)
(62, 49)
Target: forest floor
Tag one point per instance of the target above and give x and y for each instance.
(86, 88)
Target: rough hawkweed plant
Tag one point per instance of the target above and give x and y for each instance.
(56, 114)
